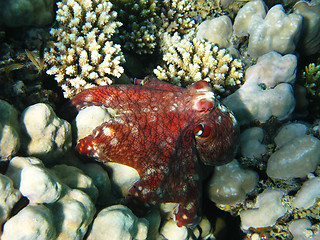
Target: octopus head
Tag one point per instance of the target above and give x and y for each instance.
(216, 136)
(216, 131)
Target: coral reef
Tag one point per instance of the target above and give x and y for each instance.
(56, 195)
(189, 59)
(139, 32)
(175, 15)
(49, 187)
(291, 191)
(82, 54)
(17, 13)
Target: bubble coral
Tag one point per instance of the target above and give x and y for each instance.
(189, 59)
(82, 54)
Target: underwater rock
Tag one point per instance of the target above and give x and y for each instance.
(9, 196)
(45, 135)
(101, 181)
(289, 132)
(308, 194)
(249, 15)
(204, 229)
(310, 37)
(295, 159)
(251, 143)
(171, 231)
(217, 30)
(122, 177)
(26, 13)
(88, 119)
(277, 32)
(32, 222)
(274, 31)
(17, 164)
(9, 131)
(72, 214)
(76, 179)
(230, 183)
(265, 212)
(301, 229)
(39, 185)
(267, 91)
(118, 222)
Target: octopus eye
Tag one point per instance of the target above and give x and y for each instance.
(202, 130)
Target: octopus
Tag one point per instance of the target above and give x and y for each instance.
(169, 134)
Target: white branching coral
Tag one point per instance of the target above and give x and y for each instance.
(82, 54)
(190, 59)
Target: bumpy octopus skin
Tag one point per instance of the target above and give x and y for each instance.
(162, 131)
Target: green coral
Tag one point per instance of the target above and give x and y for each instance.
(140, 24)
(311, 77)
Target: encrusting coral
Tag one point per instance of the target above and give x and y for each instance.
(141, 23)
(189, 59)
(82, 54)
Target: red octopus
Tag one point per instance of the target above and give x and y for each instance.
(167, 133)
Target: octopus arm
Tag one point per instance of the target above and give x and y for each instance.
(184, 182)
(99, 96)
(114, 141)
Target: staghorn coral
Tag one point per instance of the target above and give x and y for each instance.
(189, 59)
(176, 16)
(311, 77)
(183, 16)
(82, 54)
(139, 32)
